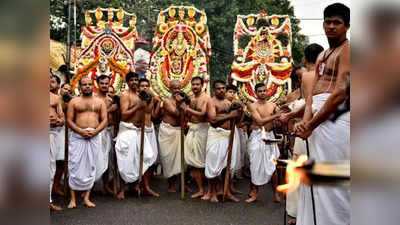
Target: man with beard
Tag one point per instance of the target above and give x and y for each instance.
(152, 107)
(196, 138)
(170, 135)
(220, 116)
(327, 140)
(56, 119)
(127, 144)
(87, 117)
(106, 135)
(65, 94)
(261, 153)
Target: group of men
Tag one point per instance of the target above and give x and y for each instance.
(97, 119)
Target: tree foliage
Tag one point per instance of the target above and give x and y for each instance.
(221, 16)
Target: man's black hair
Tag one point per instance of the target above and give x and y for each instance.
(198, 78)
(231, 87)
(312, 51)
(62, 86)
(131, 75)
(218, 82)
(144, 80)
(58, 80)
(338, 9)
(102, 77)
(258, 86)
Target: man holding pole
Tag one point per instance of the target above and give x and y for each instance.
(219, 138)
(261, 153)
(170, 135)
(128, 143)
(327, 140)
(196, 138)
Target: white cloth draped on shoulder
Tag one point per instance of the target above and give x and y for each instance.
(82, 161)
(127, 147)
(169, 138)
(195, 145)
(260, 155)
(103, 154)
(217, 146)
(329, 141)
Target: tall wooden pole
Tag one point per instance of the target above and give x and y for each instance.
(182, 123)
(228, 164)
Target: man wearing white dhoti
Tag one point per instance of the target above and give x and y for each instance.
(220, 116)
(196, 138)
(261, 153)
(103, 158)
(297, 107)
(328, 140)
(170, 135)
(87, 117)
(134, 112)
(56, 119)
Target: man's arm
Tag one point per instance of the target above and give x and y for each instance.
(257, 117)
(309, 85)
(60, 113)
(127, 112)
(202, 111)
(170, 108)
(70, 117)
(103, 118)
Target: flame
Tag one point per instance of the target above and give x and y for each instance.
(292, 176)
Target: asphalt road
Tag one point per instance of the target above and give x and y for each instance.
(170, 210)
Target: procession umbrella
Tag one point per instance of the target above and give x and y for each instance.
(228, 166)
(182, 122)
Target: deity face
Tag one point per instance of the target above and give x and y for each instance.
(176, 64)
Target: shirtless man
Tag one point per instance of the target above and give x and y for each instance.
(64, 91)
(56, 119)
(106, 135)
(328, 140)
(152, 109)
(260, 153)
(170, 135)
(87, 117)
(220, 117)
(127, 145)
(196, 138)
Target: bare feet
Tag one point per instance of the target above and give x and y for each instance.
(292, 221)
(121, 195)
(148, 191)
(220, 192)
(56, 191)
(72, 205)
(234, 190)
(278, 197)
(54, 207)
(232, 198)
(88, 203)
(251, 199)
(214, 199)
(206, 197)
(171, 189)
(197, 195)
(108, 190)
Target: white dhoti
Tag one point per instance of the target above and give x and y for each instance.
(217, 149)
(127, 147)
(329, 141)
(53, 150)
(61, 143)
(260, 155)
(170, 149)
(82, 161)
(103, 155)
(238, 157)
(195, 145)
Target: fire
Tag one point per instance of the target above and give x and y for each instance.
(292, 176)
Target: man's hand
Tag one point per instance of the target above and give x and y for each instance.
(142, 104)
(303, 129)
(53, 120)
(285, 108)
(284, 117)
(109, 100)
(59, 122)
(87, 134)
(178, 98)
(235, 113)
(183, 107)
